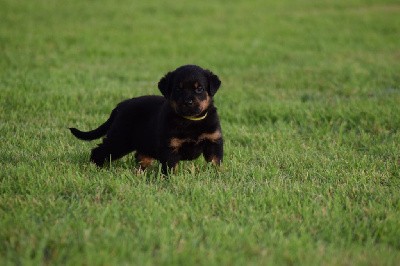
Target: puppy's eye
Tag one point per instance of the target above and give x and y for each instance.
(199, 90)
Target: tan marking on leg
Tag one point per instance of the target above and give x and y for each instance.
(215, 160)
(144, 161)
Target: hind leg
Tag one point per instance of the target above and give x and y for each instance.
(109, 151)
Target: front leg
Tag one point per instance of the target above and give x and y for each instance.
(214, 151)
(169, 162)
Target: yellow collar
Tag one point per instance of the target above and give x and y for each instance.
(193, 118)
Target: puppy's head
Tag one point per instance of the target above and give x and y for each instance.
(189, 89)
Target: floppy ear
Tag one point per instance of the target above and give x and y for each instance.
(213, 81)
(164, 85)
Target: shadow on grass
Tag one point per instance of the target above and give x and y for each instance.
(128, 166)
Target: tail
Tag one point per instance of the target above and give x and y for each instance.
(95, 133)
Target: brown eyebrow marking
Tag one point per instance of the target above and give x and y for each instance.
(196, 84)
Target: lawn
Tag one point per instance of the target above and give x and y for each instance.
(310, 112)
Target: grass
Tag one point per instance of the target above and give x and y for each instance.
(310, 114)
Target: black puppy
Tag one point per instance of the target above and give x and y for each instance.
(182, 125)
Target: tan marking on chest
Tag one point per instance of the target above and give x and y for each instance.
(176, 143)
(213, 137)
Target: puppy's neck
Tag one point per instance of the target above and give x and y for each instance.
(196, 118)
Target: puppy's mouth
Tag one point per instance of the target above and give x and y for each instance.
(186, 110)
(189, 111)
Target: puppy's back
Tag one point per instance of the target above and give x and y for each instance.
(137, 121)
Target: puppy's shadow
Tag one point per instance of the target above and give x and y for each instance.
(150, 175)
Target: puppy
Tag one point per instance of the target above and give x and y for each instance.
(180, 125)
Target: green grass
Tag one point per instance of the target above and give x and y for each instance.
(310, 109)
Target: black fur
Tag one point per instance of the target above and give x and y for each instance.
(182, 125)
